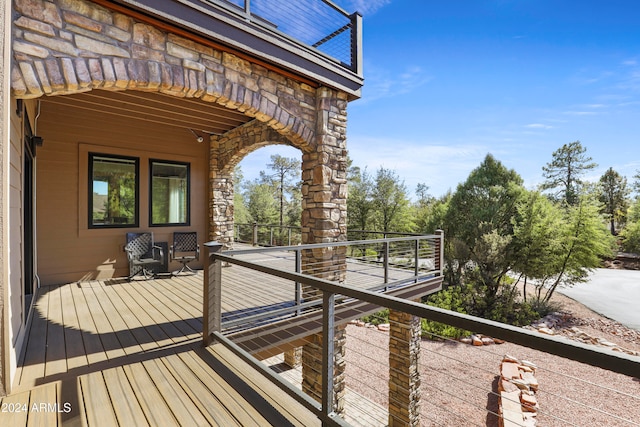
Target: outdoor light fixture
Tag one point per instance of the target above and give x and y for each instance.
(37, 140)
(199, 138)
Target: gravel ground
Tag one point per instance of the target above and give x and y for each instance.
(459, 381)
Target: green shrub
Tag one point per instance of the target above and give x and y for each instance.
(454, 299)
(377, 318)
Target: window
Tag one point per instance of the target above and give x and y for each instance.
(113, 191)
(169, 193)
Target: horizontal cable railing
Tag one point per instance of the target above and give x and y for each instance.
(376, 265)
(286, 235)
(319, 24)
(456, 383)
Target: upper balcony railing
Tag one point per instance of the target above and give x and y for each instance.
(314, 40)
(319, 24)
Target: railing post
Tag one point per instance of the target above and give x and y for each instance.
(385, 260)
(328, 331)
(271, 235)
(254, 234)
(298, 290)
(439, 252)
(356, 43)
(417, 259)
(212, 292)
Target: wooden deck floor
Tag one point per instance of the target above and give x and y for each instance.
(130, 353)
(138, 346)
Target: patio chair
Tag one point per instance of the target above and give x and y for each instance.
(145, 258)
(184, 250)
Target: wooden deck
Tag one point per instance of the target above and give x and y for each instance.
(107, 353)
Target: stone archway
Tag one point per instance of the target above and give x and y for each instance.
(66, 47)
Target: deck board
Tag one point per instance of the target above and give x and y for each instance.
(122, 333)
(102, 321)
(199, 392)
(294, 411)
(153, 405)
(185, 411)
(95, 396)
(90, 337)
(129, 353)
(44, 411)
(125, 403)
(74, 346)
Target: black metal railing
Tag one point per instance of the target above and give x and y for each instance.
(286, 235)
(378, 265)
(333, 295)
(319, 24)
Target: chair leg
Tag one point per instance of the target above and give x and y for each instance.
(184, 269)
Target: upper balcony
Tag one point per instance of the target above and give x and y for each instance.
(313, 40)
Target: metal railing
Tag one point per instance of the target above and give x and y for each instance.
(286, 235)
(267, 234)
(334, 296)
(319, 24)
(378, 265)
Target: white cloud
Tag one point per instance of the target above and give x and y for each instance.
(383, 83)
(367, 7)
(440, 166)
(538, 126)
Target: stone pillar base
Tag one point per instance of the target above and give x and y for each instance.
(293, 357)
(312, 368)
(404, 375)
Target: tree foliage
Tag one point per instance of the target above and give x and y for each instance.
(558, 247)
(261, 204)
(563, 174)
(479, 227)
(613, 196)
(390, 202)
(359, 202)
(283, 179)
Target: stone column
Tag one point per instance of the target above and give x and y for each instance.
(324, 190)
(220, 201)
(324, 214)
(312, 368)
(404, 375)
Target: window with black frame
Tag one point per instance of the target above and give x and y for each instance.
(113, 191)
(169, 193)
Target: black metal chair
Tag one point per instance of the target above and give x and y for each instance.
(145, 258)
(184, 249)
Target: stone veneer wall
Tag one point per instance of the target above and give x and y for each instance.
(71, 46)
(312, 368)
(404, 373)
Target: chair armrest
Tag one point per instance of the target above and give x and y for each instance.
(128, 251)
(160, 251)
(198, 252)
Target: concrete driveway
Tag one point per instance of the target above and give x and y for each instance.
(612, 293)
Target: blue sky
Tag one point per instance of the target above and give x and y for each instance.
(447, 82)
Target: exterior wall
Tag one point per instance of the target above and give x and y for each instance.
(15, 304)
(65, 47)
(67, 249)
(5, 58)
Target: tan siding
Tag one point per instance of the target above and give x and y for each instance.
(67, 249)
(15, 225)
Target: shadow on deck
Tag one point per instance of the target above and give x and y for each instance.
(137, 346)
